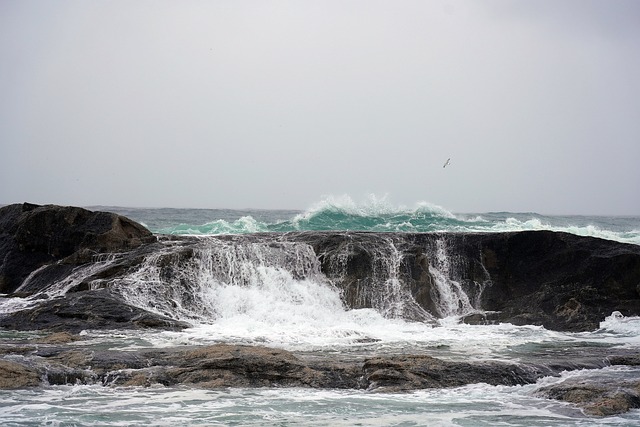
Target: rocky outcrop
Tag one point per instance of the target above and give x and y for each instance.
(223, 365)
(401, 373)
(85, 310)
(558, 280)
(61, 359)
(17, 375)
(597, 398)
(70, 269)
(32, 236)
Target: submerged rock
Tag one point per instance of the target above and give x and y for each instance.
(597, 398)
(59, 338)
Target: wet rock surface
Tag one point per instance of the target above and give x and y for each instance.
(32, 236)
(597, 398)
(52, 260)
(77, 311)
(60, 359)
(558, 280)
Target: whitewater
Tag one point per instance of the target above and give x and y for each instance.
(374, 214)
(255, 295)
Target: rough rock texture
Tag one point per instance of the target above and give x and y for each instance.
(597, 399)
(558, 280)
(95, 309)
(223, 365)
(55, 255)
(32, 236)
(411, 372)
(60, 359)
(17, 375)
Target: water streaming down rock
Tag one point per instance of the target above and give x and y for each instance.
(557, 280)
(221, 277)
(272, 283)
(397, 277)
(205, 279)
(448, 294)
(218, 278)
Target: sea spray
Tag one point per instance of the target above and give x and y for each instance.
(375, 214)
(220, 279)
(84, 276)
(370, 277)
(263, 290)
(448, 294)
(338, 333)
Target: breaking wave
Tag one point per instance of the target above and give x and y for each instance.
(378, 214)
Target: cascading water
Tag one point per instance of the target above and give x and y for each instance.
(225, 279)
(379, 272)
(281, 292)
(448, 294)
(266, 290)
(381, 287)
(273, 281)
(80, 275)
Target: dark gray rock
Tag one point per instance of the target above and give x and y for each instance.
(32, 236)
(86, 310)
(558, 280)
(400, 373)
(50, 361)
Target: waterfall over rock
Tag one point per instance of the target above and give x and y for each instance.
(558, 280)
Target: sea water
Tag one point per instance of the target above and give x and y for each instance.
(265, 305)
(374, 214)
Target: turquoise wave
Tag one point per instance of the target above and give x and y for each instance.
(375, 214)
(335, 215)
(423, 218)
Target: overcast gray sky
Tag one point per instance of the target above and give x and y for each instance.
(274, 104)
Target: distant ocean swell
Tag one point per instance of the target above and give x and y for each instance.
(342, 214)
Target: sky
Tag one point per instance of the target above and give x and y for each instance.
(279, 104)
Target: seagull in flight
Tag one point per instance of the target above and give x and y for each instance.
(446, 163)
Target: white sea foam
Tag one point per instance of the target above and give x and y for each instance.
(535, 224)
(256, 295)
(475, 404)
(378, 213)
(371, 206)
(618, 323)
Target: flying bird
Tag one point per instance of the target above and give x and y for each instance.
(446, 163)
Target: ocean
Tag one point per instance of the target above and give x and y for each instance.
(375, 214)
(306, 316)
